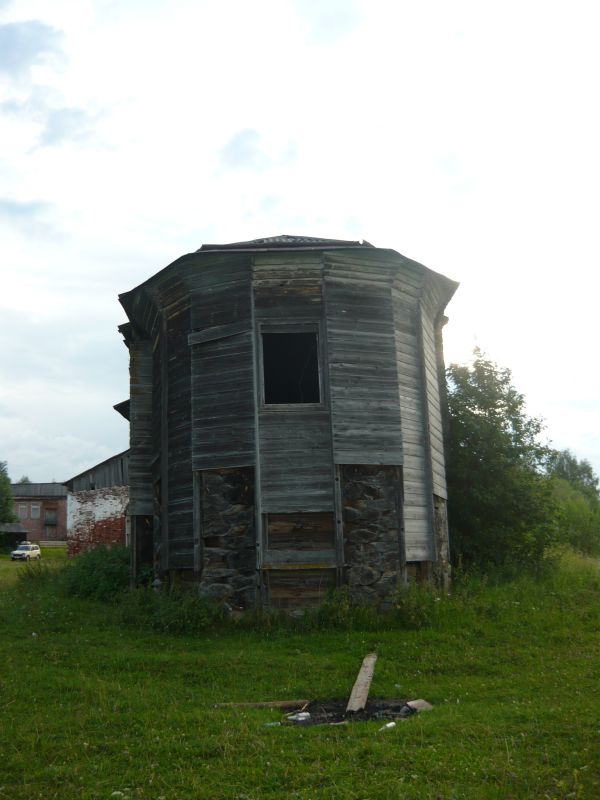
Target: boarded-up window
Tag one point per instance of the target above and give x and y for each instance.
(304, 532)
(291, 368)
(294, 589)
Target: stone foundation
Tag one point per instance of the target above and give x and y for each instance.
(228, 536)
(373, 549)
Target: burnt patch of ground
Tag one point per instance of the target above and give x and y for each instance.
(327, 712)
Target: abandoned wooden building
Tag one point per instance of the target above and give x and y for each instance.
(286, 420)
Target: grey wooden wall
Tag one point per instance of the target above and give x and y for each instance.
(365, 406)
(418, 508)
(296, 471)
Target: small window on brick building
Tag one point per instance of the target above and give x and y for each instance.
(35, 511)
(291, 368)
(50, 517)
(22, 512)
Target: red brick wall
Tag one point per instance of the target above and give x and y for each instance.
(96, 517)
(106, 531)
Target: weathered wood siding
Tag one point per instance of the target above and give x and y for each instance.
(222, 367)
(365, 408)
(140, 436)
(295, 461)
(180, 488)
(417, 512)
(294, 442)
(294, 589)
(223, 402)
(434, 427)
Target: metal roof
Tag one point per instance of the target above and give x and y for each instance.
(38, 490)
(97, 467)
(12, 527)
(285, 242)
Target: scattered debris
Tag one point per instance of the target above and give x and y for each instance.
(387, 726)
(301, 716)
(420, 705)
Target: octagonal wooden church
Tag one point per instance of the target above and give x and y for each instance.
(286, 420)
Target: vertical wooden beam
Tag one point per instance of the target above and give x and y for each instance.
(426, 432)
(399, 498)
(336, 470)
(338, 512)
(260, 538)
(164, 445)
(197, 522)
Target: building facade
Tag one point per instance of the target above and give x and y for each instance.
(286, 424)
(42, 510)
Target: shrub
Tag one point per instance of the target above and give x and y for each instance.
(179, 610)
(99, 574)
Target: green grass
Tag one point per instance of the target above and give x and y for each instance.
(90, 707)
(9, 570)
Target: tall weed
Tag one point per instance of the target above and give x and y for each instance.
(99, 574)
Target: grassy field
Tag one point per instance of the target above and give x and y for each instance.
(91, 708)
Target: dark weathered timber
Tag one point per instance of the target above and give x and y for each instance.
(223, 403)
(300, 531)
(179, 474)
(140, 440)
(293, 589)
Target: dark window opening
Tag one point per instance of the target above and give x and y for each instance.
(291, 368)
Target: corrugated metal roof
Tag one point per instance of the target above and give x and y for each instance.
(285, 242)
(38, 490)
(99, 468)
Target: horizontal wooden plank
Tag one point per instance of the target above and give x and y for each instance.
(219, 332)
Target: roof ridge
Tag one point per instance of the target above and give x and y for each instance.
(285, 240)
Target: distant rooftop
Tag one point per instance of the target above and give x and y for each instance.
(38, 490)
(286, 242)
(12, 527)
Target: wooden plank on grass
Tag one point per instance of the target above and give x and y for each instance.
(360, 690)
(266, 704)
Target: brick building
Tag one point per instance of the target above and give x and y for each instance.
(42, 510)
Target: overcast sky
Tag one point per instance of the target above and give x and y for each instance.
(465, 135)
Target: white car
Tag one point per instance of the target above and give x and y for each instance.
(26, 551)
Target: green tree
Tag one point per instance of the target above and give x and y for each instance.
(24, 479)
(575, 487)
(580, 474)
(500, 504)
(6, 498)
